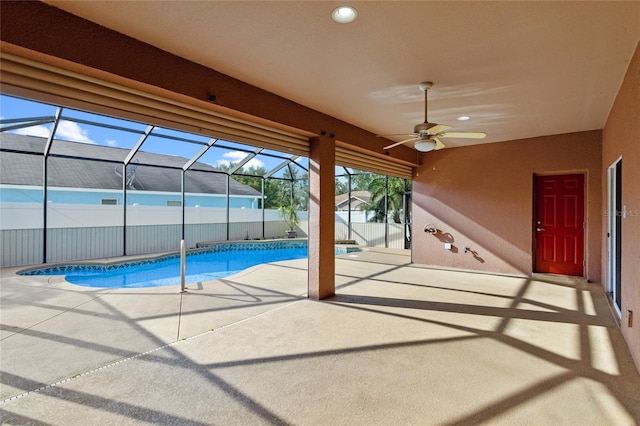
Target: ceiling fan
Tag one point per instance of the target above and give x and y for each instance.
(427, 135)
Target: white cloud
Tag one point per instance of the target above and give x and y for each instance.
(112, 142)
(254, 162)
(67, 130)
(236, 156)
(71, 131)
(232, 157)
(40, 131)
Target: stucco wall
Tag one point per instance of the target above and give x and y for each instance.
(482, 197)
(621, 138)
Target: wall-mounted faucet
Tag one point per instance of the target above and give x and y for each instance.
(430, 228)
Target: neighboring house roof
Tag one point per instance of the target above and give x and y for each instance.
(74, 173)
(358, 199)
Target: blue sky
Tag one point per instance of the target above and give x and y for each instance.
(12, 108)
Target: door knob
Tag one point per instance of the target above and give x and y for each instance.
(539, 229)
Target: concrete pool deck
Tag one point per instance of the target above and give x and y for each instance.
(399, 344)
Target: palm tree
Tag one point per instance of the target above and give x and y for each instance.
(394, 199)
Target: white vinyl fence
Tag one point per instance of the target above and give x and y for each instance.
(81, 232)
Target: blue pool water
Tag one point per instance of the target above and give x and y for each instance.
(165, 271)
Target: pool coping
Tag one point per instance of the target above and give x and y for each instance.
(201, 248)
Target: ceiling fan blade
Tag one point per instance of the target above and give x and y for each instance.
(463, 135)
(393, 145)
(396, 134)
(439, 144)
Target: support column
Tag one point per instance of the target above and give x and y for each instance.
(322, 259)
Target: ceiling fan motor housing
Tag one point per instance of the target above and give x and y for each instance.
(423, 127)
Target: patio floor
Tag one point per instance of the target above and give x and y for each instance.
(399, 344)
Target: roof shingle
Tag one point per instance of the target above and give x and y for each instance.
(26, 169)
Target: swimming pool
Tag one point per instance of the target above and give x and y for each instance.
(217, 261)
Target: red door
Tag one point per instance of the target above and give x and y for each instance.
(559, 224)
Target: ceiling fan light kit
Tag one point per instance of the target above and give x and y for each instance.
(425, 146)
(426, 135)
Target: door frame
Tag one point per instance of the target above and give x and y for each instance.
(534, 224)
(614, 234)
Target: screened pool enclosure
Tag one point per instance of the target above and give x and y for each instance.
(77, 185)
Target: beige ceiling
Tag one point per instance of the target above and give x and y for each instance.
(518, 69)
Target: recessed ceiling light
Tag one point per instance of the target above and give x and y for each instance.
(344, 14)
(463, 118)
